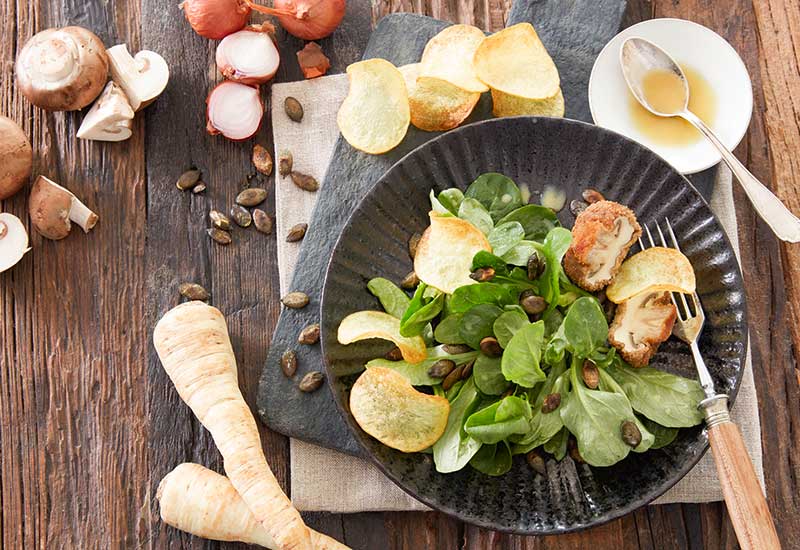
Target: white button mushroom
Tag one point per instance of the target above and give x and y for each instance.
(142, 77)
(16, 158)
(110, 117)
(13, 241)
(62, 69)
(52, 207)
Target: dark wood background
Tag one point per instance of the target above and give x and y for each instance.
(89, 422)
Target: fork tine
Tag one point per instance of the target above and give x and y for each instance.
(695, 298)
(649, 236)
(686, 311)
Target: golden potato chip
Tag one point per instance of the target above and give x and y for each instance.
(651, 270)
(374, 116)
(449, 54)
(436, 105)
(515, 61)
(388, 408)
(504, 104)
(362, 325)
(445, 251)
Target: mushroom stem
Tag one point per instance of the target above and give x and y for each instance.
(81, 215)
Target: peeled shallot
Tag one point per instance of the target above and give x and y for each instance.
(234, 110)
(248, 56)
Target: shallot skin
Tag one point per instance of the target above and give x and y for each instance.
(216, 19)
(306, 19)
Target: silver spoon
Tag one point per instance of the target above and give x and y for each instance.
(638, 57)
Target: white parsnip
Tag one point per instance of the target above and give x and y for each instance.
(194, 499)
(194, 347)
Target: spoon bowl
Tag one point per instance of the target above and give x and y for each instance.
(639, 58)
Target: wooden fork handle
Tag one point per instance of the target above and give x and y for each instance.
(747, 506)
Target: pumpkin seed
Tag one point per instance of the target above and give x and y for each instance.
(289, 363)
(630, 433)
(535, 266)
(577, 206)
(551, 402)
(592, 196)
(262, 221)
(531, 303)
(394, 354)
(219, 220)
(311, 382)
(193, 291)
(413, 242)
(285, 163)
(482, 274)
(199, 188)
(262, 160)
(455, 349)
(251, 196)
(188, 179)
(297, 232)
(295, 300)
(452, 378)
(491, 347)
(441, 368)
(590, 375)
(304, 181)
(293, 108)
(409, 281)
(536, 462)
(466, 371)
(219, 236)
(241, 216)
(309, 335)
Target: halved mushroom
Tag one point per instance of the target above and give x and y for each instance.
(13, 241)
(16, 158)
(640, 325)
(62, 69)
(52, 208)
(601, 238)
(142, 77)
(110, 117)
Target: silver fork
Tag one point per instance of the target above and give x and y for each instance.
(746, 503)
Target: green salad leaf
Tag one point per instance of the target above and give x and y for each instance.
(504, 237)
(488, 375)
(544, 426)
(393, 300)
(476, 324)
(663, 435)
(499, 420)
(455, 448)
(451, 199)
(509, 322)
(557, 445)
(417, 373)
(467, 296)
(520, 253)
(497, 193)
(420, 311)
(447, 330)
(607, 383)
(536, 220)
(475, 213)
(585, 327)
(520, 361)
(553, 248)
(492, 460)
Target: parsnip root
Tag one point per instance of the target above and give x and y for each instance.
(194, 499)
(194, 347)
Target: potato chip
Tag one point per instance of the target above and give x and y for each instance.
(436, 105)
(388, 408)
(504, 104)
(445, 251)
(362, 325)
(449, 54)
(515, 61)
(651, 270)
(374, 116)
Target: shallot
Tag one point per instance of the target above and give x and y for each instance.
(234, 110)
(216, 19)
(248, 56)
(312, 61)
(306, 19)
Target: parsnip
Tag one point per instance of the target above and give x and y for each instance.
(194, 347)
(194, 499)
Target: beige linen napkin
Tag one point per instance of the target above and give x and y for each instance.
(326, 480)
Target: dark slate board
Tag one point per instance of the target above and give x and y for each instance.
(573, 32)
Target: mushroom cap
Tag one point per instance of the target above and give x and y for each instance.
(13, 241)
(16, 158)
(62, 69)
(49, 207)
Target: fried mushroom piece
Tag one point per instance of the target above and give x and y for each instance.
(640, 325)
(601, 238)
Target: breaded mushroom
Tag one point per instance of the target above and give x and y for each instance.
(640, 325)
(601, 238)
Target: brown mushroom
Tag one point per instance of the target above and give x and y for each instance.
(640, 325)
(143, 77)
(62, 69)
(52, 208)
(13, 241)
(16, 158)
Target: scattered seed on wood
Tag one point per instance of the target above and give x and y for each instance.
(482, 274)
(311, 382)
(293, 108)
(289, 363)
(441, 368)
(285, 163)
(413, 242)
(491, 347)
(577, 206)
(304, 181)
(551, 402)
(219, 236)
(241, 216)
(531, 303)
(262, 221)
(590, 375)
(296, 233)
(262, 160)
(219, 220)
(188, 179)
(309, 335)
(536, 462)
(535, 266)
(452, 378)
(455, 349)
(592, 196)
(466, 371)
(394, 354)
(409, 281)
(295, 300)
(199, 188)
(630, 433)
(193, 291)
(251, 196)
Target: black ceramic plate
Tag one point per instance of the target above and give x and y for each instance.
(535, 152)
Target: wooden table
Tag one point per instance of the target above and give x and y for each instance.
(88, 420)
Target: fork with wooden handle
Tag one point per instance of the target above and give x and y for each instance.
(747, 506)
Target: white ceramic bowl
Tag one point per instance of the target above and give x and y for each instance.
(689, 44)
